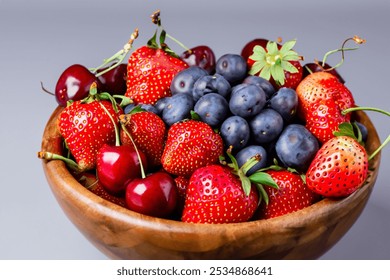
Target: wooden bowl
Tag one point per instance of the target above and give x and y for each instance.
(123, 234)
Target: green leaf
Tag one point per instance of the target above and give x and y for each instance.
(258, 53)
(287, 66)
(287, 46)
(246, 185)
(257, 67)
(277, 73)
(272, 48)
(291, 56)
(262, 194)
(152, 43)
(266, 72)
(345, 129)
(263, 178)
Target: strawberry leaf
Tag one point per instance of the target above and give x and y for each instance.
(257, 67)
(263, 178)
(345, 129)
(287, 46)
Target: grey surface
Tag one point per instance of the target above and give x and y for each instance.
(39, 39)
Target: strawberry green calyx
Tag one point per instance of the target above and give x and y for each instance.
(273, 61)
(258, 178)
(163, 34)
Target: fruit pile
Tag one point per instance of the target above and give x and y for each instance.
(190, 137)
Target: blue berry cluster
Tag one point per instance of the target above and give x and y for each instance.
(250, 115)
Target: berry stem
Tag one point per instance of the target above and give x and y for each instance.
(157, 20)
(143, 175)
(118, 57)
(117, 137)
(379, 148)
(355, 38)
(349, 110)
(51, 156)
(346, 111)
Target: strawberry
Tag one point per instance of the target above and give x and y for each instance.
(148, 132)
(339, 168)
(291, 195)
(150, 71)
(215, 195)
(322, 98)
(190, 145)
(277, 63)
(86, 126)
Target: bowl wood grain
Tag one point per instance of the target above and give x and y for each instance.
(123, 234)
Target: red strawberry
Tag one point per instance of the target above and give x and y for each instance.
(150, 72)
(339, 168)
(277, 63)
(148, 132)
(215, 195)
(322, 98)
(291, 195)
(90, 181)
(86, 127)
(190, 145)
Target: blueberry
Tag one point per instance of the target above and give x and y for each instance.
(363, 130)
(285, 102)
(128, 108)
(178, 107)
(246, 100)
(296, 147)
(262, 83)
(212, 109)
(246, 153)
(145, 107)
(266, 126)
(184, 81)
(235, 132)
(160, 105)
(233, 67)
(211, 83)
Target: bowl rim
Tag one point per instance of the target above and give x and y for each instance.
(69, 184)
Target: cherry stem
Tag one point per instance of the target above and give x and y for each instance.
(45, 90)
(51, 156)
(353, 109)
(143, 175)
(117, 57)
(117, 137)
(355, 38)
(379, 148)
(346, 111)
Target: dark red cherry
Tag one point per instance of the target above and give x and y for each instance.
(247, 50)
(317, 67)
(114, 81)
(74, 84)
(116, 165)
(202, 56)
(155, 195)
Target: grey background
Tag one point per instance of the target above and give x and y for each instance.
(39, 39)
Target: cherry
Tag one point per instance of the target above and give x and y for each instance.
(114, 81)
(74, 84)
(155, 195)
(202, 56)
(116, 165)
(319, 67)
